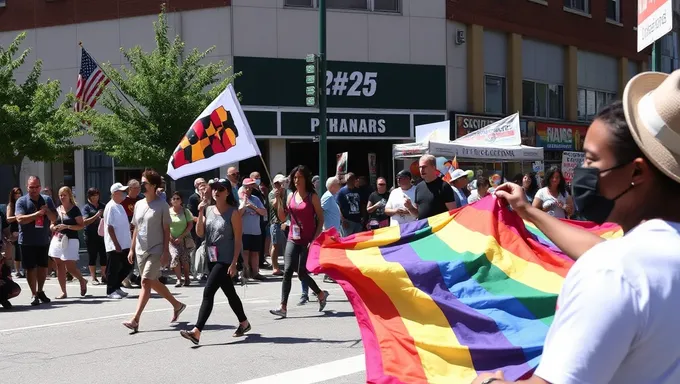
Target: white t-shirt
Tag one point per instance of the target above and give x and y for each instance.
(618, 315)
(115, 216)
(396, 201)
(550, 201)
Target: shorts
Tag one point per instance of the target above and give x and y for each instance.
(71, 253)
(33, 256)
(149, 266)
(278, 237)
(252, 243)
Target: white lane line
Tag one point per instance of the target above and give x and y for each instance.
(123, 315)
(316, 373)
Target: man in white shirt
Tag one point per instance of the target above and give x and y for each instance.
(117, 239)
(396, 203)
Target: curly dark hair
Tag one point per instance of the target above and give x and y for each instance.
(533, 186)
(152, 177)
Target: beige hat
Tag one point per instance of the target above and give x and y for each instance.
(651, 102)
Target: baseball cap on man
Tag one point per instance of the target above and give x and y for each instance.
(118, 187)
(279, 178)
(404, 173)
(457, 174)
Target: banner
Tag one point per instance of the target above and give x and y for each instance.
(470, 123)
(220, 135)
(558, 136)
(571, 160)
(439, 131)
(341, 166)
(504, 132)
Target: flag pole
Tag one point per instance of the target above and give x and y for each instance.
(269, 176)
(80, 43)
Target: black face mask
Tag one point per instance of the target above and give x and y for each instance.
(587, 198)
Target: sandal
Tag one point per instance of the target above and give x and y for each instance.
(94, 282)
(240, 331)
(132, 325)
(83, 288)
(189, 336)
(178, 312)
(62, 296)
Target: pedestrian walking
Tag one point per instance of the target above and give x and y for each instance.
(13, 247)
(150, 245)
(93, 211)
(117, 240)
(220, 226)
(181, 243)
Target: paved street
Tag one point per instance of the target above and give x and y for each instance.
(81, 340)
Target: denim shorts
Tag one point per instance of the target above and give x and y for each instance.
(278, 236)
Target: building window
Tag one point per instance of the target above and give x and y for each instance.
(494, 95)
(669, 52)
(578, 5)
(357, 5)
(613, 10)
(542, 100)
(590, 102)
(299, 3)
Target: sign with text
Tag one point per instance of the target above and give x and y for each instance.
(370, 126)
(277, 82)
(504, 132)
(470, 123)
(571, 160)
(655, 19)
(560, 137)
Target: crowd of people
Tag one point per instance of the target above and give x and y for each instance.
(141, 232)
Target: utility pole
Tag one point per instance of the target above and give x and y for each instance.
(323, 148)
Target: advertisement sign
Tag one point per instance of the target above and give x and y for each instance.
(368, 125)
(470, 123)
(433, 132)
(560, 137)
(502, 132)
(268, 81)
(655, 19)
(571, 160)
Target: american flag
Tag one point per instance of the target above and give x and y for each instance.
(90, 77)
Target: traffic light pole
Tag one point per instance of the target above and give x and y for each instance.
(323, 149)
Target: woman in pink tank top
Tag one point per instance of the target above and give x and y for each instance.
(306, 222)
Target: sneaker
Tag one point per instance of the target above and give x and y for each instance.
(114, 295)
(328, 279)
(7, 305)
(304, 299)
(126, 283)
(259, 277)
(279, 312)
(35, 301)
(122, 293)
(322, 302)
(19, 275)
(43, 297)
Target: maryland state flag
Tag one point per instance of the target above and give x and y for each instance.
(220, 135)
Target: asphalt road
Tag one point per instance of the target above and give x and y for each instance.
(81, 340)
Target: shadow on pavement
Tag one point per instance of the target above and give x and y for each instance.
(256, 338)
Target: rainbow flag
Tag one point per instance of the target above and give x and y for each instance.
(443, 299)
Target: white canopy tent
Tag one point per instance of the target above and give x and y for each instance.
(499, 142)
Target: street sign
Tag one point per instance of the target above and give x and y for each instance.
(312, 80)
(655, 20)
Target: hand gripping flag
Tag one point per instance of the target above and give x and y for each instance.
(220, 135)
(442, 299)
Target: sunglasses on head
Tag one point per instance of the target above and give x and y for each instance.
(218, 184)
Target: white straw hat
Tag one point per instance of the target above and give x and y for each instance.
(651, 103)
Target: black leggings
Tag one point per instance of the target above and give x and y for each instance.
(96, 247)
(219, 278)
(295, 259)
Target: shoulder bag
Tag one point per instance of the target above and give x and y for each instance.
(188, 240)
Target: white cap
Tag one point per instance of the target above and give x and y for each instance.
(118, 187)
(279, 178)
(457, 174)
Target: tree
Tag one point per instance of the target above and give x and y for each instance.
(32, 124)
(158, 98)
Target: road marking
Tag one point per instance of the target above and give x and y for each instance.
(71, 322)
(316, 373)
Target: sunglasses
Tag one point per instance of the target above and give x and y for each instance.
(144, 184)
(176, 199)
(382, 185)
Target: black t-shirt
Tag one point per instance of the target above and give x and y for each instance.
(431, 198)
(379, 213)
(69, 219)
(90, 210)
(3, 224)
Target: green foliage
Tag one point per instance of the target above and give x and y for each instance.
(163, 91)
(32, 124)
